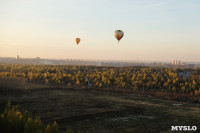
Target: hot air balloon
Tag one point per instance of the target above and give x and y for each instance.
(78, 40)
(118, 34)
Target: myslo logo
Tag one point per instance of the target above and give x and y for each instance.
(183, 128)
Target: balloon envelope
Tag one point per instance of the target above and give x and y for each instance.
(78, 40)
(118, 34)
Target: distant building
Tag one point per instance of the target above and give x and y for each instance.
(177, 62)
(18, 57)
(46, 62)
(38, 58)
(174, 62)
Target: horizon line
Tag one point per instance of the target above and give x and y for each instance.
(114, 60)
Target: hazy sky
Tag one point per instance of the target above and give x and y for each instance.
(156, 30)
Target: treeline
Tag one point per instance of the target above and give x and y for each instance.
(175, 80)
(14, 121)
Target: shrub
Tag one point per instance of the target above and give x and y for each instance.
(14, 121)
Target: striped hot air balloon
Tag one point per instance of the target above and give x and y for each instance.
(77, 40)
(118, 34)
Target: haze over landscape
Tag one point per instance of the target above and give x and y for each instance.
(99, 66)
(156, 30)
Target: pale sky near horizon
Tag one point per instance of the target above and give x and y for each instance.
(154, 30)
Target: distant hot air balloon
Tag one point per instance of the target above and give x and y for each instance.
(118, 34)
(78, 40)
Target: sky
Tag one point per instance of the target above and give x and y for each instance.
(154, 30)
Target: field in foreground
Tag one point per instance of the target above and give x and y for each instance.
(104, 112)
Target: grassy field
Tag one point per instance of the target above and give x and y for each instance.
(101, 111)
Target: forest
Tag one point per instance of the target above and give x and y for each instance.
(136, 78)
(79, 99)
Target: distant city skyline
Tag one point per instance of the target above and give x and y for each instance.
(114, 63)
(156, 30)
(173, 62)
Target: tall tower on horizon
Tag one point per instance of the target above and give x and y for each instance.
(18, 57)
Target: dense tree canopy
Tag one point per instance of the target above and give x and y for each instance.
(175, 80)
